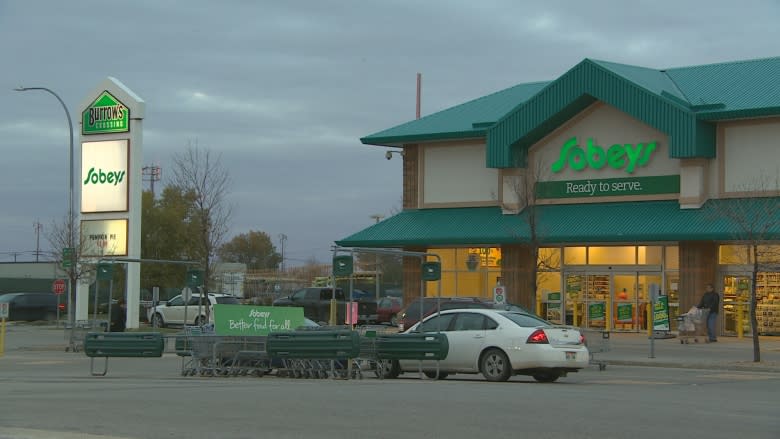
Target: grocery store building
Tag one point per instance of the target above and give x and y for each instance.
(625, 178)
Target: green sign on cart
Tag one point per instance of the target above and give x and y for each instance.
(255, 320)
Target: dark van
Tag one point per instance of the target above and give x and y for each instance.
(30, 306)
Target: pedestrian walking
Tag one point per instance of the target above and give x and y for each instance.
(711, 302)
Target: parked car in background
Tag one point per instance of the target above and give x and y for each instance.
(426, 306)
(387, 309)
(31, 306)
(499, 344)
(315, 302)
(172, 311)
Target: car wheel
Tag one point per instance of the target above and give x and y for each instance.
(394, 320)
(432, 374)
(495, 365)
(200, 321)
(157, 321)
(389, 369)
(547, 377)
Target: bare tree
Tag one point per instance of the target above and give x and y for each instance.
(757, 221)
(59, 237)
(523, 188)
(199, 172)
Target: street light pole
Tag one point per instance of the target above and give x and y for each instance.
(71, 219)
(377, 217)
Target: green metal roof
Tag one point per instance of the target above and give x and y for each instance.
(646, 95)
(647, 221)
(681, 102)
(730, 90)
(463, 121)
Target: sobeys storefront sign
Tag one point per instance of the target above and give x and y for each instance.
(626, 157)
(105, 115)
(255, 320)
(606, 187)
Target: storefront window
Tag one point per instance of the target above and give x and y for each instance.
(734, 255)
(672, 257)
(649, 255)
(548, 297)
(466, 271)
(575, 255)
(549, 258)
(618, 255)
(769, 254)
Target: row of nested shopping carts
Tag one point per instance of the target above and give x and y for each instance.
(205, 353)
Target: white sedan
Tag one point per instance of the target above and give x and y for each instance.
(499, 344)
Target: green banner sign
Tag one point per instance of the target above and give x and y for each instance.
(609, 187)
(597, 311)
(105, 115)
(255, 320)
(625, 312)
(661, 314)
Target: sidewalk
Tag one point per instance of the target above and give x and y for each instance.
(729, 353)
(628, 349)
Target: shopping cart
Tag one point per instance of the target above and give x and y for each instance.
(597, 341)
(691, 325)
(76, 333)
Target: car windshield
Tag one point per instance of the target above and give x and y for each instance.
(525, 320)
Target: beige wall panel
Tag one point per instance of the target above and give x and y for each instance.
(751, 156)
(457, 174)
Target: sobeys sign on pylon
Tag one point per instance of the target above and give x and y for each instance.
(105, 115)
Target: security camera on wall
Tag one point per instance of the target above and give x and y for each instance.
(388, 155)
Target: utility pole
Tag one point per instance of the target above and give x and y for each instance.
(37, 226)
(151, 174)
(282, 239)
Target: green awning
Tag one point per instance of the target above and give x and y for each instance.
(648, 221)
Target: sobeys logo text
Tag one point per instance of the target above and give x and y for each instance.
(100, 177)
(618, 156)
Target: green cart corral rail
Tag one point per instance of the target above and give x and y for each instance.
(413, 346)
(320, 345)
(122, 344)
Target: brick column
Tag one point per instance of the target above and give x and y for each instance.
(698, 267)
(412, 275)
(517, 270)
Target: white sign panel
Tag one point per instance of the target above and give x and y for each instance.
(104, 176)
(104, 237)
(4, 310)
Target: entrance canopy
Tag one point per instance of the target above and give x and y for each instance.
(646, 221)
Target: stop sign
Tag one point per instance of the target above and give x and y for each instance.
(58, 287)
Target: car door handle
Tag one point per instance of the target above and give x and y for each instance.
(479, 336)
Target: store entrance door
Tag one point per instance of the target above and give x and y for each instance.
(736, 304)
(615, 301)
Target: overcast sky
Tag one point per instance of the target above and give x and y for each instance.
(284, 90)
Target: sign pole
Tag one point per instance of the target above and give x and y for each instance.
(2, 338)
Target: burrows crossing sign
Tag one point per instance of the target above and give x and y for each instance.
(105, 115)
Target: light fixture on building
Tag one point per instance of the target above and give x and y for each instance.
(390, 152)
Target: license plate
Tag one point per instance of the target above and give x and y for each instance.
(571, 355)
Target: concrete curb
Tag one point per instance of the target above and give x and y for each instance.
(749, 367)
